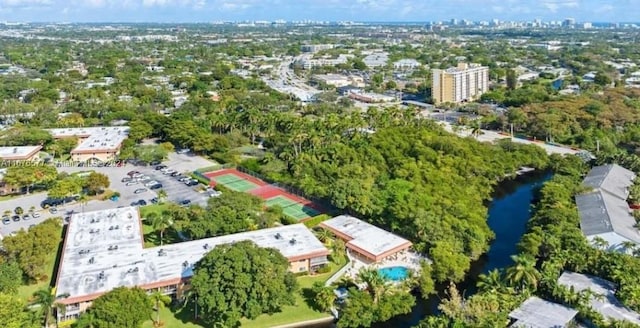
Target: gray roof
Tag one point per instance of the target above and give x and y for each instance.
(538, 313)
(611, 178)
(365, 236)
(104, 250)
(601, 212)
(607, 305)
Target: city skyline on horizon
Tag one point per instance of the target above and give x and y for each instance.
(192, 11)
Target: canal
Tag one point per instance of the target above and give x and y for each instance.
(509, 212)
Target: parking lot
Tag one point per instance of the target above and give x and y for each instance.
(176, 191)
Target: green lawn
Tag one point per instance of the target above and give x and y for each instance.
(302, 310)
(26, 291)
(153, 208)
(178, 319)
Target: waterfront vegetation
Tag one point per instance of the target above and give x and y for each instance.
(388, 166)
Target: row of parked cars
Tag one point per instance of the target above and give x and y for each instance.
(6, 219)
(177, 175)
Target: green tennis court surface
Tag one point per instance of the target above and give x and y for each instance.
(241, 185)
(292, 208)
(227, 178)
(281, 201)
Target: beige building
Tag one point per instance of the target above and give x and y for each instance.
(100, 143)
(365, 241)
(467, 82)
(105, 249)
(20, 154)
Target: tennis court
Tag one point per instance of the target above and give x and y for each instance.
(235, 182)
(281, 201)
(292, 208)
(241, 185)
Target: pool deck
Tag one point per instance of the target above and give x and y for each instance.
(405, 259)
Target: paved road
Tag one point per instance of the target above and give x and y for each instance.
(176, 191)
(491, 136)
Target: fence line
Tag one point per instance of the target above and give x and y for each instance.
(327, 206)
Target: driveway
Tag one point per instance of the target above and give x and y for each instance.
(176, 191)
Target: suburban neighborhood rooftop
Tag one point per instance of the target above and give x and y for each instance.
(16, 153)
(601, 213)
(104, 250)
(611, 178)
(607, 305)
(538, 313)
(365, 236)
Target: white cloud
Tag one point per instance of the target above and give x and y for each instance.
(554, 5)
(25, 3)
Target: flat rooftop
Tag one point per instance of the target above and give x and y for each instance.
(365, 236)
(538, 313)
(104, 250)
(98, 138)
(21, 152)
(607, 305)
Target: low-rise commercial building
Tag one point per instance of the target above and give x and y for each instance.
(102, 143)
(369, 97)
(105, 249)
(364, 240)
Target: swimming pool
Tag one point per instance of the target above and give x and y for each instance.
(396, 273)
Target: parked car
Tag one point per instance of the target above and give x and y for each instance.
(160, 167)
(175, 174)
(183, 178)
(51, 202)
(140, 190)
(156, 186)
(131, 183)
(191, 183)
(151, 183)
(132, 173)
(140, 202)
(26, 217)
(152, 163)
(6, 220)
(169, 171)
(15, 218)
(53, 210)
(154, 200)
(185, 202)
(127, 179)
(183, 151)
(35, 215)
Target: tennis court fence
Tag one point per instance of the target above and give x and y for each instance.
(326, 205)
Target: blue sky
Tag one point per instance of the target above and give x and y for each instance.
(356, 10)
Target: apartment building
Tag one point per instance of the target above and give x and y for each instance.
(467, 82)
(105, 249)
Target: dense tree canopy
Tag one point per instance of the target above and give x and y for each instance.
(31, 248)
(121, 307)
(241, 280)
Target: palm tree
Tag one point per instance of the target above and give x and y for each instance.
(600, 243)
(46, 298)
(490, 282)
(628, 246)
(160, 223)
(523, 273)
(162, 195)
(83, 200)
(324, 235)
(160, 300)
(32, 209)
(325, 297)
(374, 282)
(338, 249)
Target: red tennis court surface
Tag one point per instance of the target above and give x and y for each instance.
(264, 190)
